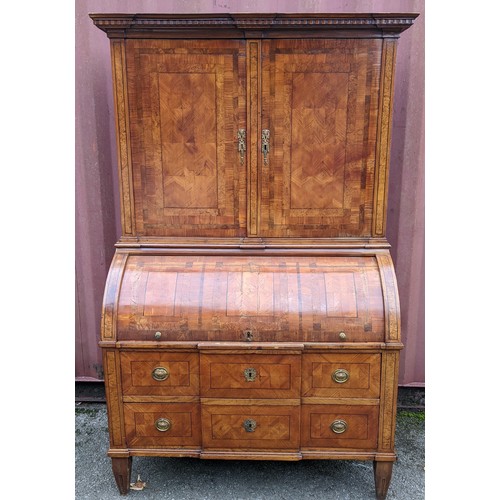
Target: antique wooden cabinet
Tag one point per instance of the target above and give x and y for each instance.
(251, 309)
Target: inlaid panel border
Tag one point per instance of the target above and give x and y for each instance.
(384, 137)
(118, 62)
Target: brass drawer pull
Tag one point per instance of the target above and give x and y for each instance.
(250, 374)
(163, 424)
(342, 336)
(340, 376)
(250, 425)
(338, 426)
(160, 373)
(158, 335)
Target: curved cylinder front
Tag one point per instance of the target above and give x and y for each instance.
(251, 298)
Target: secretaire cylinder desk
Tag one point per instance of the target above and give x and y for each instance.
(251, 309)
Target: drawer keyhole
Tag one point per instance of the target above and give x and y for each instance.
(250, 425)
(250, 374)
(248, 335)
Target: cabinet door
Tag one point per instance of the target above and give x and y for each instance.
(319, 102)
(186, 103)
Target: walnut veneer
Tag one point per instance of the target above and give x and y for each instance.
(251, 309)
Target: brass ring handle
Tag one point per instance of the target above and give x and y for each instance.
(160, 373)
(250, 425)
(338, 426)
(250, 374)
(163, 424)
(340, 376)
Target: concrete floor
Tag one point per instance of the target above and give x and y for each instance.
(194, 479)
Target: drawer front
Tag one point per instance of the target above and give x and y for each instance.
(158, 425)
(250, 376)
(248, 427)
(156, 373)
(339, 426)
(341, 375)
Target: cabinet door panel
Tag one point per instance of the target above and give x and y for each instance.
(319, 101)
(187, 101)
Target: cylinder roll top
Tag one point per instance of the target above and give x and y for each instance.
(250, 298)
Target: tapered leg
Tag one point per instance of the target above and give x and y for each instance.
(122, 467)
(383, 473)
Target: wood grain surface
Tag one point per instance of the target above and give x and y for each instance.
(277, 427)
(275, 376)
(361, 432)
(137, 374)
(187, 101)
(363, 371)
(320, 100)
(277, 299)
(141, 431)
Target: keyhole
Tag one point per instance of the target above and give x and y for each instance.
(248, 335)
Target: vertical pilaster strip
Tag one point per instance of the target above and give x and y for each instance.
(384, 136)
(119, 67)
(253, 128)
(388, 401)
(111, 360)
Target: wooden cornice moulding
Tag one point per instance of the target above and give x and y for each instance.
(125, 25)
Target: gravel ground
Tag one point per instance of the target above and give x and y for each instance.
(194, 479)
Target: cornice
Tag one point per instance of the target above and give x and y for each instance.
(124, 25)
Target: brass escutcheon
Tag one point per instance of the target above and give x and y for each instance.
(250, 425)
(250, 374)
(338, 426)
(160, 373)
(248, 335)
(340, 376)
(163, 424)
(242, 146)
(265, 144)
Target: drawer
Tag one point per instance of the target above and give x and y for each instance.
(250, 375)
(157, 425)
(339, 426)
(250, 427)
(341, 375)
(155, 373)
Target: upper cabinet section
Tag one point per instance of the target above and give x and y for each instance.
(244, 126)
